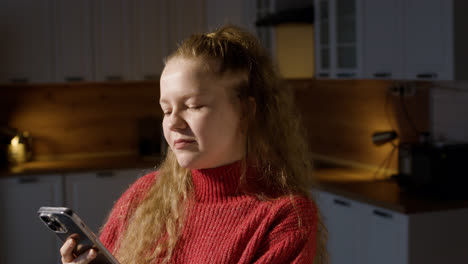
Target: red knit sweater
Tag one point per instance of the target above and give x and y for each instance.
(226, 226)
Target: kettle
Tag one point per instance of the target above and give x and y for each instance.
(17, 146)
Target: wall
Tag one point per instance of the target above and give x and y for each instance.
(99, 119)
(341, 117)
(80, 120)
(449, 108)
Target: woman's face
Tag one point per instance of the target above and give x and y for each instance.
(202, 117)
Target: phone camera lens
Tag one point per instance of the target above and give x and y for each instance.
(45, 219)
(51, 226)
(56, 224)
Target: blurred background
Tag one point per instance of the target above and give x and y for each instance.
(381, 87)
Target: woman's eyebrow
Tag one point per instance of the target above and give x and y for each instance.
(187, 96)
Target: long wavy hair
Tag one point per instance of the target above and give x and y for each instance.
(275, 144)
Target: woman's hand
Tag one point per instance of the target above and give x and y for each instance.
(66, 251)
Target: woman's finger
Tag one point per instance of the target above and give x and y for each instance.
(67, 250)
(86, 257)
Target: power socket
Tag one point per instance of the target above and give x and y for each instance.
(402, 89)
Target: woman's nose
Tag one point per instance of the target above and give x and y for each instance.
(176, 122)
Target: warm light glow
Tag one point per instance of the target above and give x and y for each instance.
(15, 141)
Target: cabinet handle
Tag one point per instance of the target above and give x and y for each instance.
(345, 74)
(74, 79)
(19, 80)
(323, 74)
(25, 180)
(382, 75)
(342, 203)
(105, 174)
(114, 78)
(426, 75)
(382, 214)
(150, 77)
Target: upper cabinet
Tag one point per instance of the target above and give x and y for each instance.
(112, 40)
(73, 41)
(382, 39)
(150, 35)
(338, 30)
(221, 12)
(102, 40)
(378, 39)
(26, 47)
(429, 34)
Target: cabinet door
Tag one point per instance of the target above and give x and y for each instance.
(221, 12)
(428, 39)
(385, 239)
(73, 40)
(347, 37)
(151, 20)
(23, 237)
(92, 195)
(186, 17)
(383, 39)
(26, 46)
(342, 217)
(322, 37)
(112, 40)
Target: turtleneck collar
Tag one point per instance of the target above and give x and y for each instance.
(220, 184)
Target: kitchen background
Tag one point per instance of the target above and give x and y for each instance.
(82, 78)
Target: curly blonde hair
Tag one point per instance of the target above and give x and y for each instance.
(275, 144)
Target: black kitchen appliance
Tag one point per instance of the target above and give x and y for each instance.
(434, 169)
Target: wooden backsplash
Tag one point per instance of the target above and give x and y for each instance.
(341, 116)
(73, 120)
(68, 120)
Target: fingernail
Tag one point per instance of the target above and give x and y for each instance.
(92, 253)
(71, 242)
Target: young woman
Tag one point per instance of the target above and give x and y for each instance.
(234, 186)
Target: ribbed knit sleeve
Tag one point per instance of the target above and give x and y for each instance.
(123, 209)
(292, 238)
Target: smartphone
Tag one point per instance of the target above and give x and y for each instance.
(65, 223)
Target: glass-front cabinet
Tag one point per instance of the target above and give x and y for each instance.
(338, 35)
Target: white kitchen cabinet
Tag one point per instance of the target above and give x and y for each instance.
(339, 34)
(73, 41)
(24, 238)
(384, 236)
(112, 40)
(382, 39)
(93, 194)
(363, 233)
(343, 236)
(150, 34)
(26, 46)
(240, 13)
(435, 39)
(186, 17)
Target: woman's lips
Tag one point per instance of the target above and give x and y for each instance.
(182, 143)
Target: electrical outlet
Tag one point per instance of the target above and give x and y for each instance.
(402, 89)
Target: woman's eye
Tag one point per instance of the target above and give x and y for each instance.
(195, 107)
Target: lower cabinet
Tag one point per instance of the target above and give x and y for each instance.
(366, 234)
(92, 195)
(23, 237)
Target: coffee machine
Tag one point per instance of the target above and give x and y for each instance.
(434, 168)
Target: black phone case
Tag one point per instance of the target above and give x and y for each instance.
(65, 223)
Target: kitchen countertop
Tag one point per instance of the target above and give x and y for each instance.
(359, 185)
(80, 165)
(356, 184)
